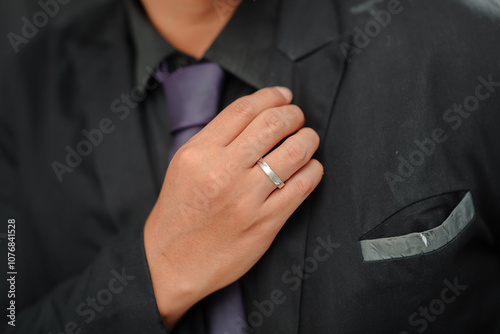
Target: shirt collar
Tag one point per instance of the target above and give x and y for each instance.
(149, 46)
(243, 48)
(246, 45)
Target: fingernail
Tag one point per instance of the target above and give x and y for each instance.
(287, 93)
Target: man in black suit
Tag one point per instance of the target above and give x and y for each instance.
(400, 101)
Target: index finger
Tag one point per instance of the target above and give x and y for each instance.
(231, 121)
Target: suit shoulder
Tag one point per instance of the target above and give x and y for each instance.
(447, 20)
(43, 73)
(60, 22)
(449, 33)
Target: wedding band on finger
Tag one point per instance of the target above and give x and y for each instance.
(269, 172)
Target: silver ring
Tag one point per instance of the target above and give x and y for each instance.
(272, 175)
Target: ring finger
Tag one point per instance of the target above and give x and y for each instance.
(286, 159)
(263, 133)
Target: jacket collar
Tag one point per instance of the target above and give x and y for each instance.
(306, 27)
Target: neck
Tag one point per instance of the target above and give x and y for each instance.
(190, 25)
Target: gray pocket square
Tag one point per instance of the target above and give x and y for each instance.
(423, 242)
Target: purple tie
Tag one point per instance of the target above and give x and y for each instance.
(192, 95)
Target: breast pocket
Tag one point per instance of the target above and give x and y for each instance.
(423, 234)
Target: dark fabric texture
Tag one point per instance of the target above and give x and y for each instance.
(408, 115)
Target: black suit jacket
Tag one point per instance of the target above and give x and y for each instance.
(401, 236)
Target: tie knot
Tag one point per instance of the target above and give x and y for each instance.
(192, 94)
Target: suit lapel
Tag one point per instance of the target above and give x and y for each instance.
(309, 61)
(121, 159)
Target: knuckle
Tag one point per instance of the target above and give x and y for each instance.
(274, 120)
(244, 107)
(296, 113)
(304, 186)
(297, 152)
(187, 156)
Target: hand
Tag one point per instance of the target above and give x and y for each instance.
(218, 212)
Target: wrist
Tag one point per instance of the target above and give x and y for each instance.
(174, 295)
